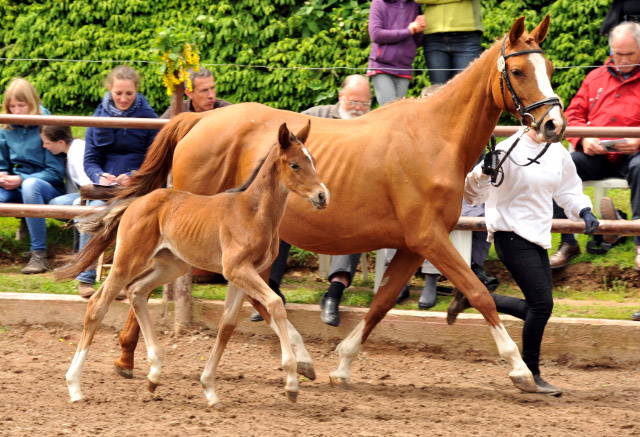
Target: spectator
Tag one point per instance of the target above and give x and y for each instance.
(518, 217)
(112, 154)
(608, 96)
(354, 100)
(59, 141)
(29, 173)
(452, 37)
(619, 11)
(203, 96)
(395, 28)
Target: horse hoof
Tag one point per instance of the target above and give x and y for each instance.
(306, 370)
(524, 383)
(218, 406)
(338, 381)
(152, 386)
(292, 395)
(121, 371)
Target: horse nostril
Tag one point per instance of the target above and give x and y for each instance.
(321, 196)
(549, 127)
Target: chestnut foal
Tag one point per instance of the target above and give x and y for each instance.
(162, 234)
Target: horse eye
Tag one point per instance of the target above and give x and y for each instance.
(294, 167)
(517, 72)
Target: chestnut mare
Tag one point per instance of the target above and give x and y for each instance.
(397, 175)
(235, 233)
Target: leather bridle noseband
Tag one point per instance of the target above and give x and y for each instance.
(497, 174)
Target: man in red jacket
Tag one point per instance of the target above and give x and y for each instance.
(609, 96)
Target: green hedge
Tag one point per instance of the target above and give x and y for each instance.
(270, 33)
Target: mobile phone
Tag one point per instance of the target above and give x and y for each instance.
(610, 145)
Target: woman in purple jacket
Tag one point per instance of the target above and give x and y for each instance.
(395, 28)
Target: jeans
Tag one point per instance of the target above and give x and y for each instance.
(389, 87)
(33, 191)
(88, 276)
(448, 53)
(528, 263)
(65, 199)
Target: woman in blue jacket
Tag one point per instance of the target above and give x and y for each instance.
(29, 173)
(112, 154)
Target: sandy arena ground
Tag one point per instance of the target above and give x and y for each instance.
(395, 390)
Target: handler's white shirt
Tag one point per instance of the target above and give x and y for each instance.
(523, 203)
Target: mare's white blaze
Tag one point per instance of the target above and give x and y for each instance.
(509, 351)
(74, 373)
(544, 85)
(347, 351)
(156, 366)
(309, 157)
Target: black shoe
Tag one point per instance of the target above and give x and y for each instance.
(330, 307)
(545, 388)
(404, 295)
(457, 305)
(636, 316)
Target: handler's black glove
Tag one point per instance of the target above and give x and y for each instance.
(591, 223)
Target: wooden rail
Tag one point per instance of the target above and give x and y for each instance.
(619, 227)
(158, 123)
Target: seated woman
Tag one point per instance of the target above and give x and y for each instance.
(112, 154)
(59, 141)
(29, 173)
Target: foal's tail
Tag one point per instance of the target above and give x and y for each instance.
(103, 225)
(157, 163)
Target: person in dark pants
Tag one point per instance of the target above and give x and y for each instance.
(518, 217)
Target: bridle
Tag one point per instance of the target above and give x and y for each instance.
(524, 111)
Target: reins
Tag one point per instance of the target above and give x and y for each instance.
(524, 111)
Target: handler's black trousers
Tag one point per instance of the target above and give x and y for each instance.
(528, 263)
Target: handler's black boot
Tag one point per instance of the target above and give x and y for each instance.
(545, 388)
(457, 305)
(330, 304)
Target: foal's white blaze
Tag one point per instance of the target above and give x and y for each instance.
(347, 351)
(544, 85)
(308, 155)
(74, 373)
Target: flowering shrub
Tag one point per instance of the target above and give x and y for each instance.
(177, 48)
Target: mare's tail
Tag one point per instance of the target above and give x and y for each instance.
(157, 163)
(103, 225)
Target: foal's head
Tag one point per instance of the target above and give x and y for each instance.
(528, 71)
(297, 167)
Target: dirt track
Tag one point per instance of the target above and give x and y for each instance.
(395, 391)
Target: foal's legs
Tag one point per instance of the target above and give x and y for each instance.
(96, 310)
(232, 305)
(166, 267)
(247, 278)
(402, 266)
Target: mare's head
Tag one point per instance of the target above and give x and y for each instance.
(522, 83)
(297, 167)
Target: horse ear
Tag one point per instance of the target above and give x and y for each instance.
(540, 32)
(283, 136)
(304, 132)
(517, 29)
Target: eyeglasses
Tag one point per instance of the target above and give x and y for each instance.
(361, 104)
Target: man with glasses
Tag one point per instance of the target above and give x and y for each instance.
(203, 96)
(354, 100)
(608, 96)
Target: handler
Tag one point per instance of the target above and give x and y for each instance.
(518, 216)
